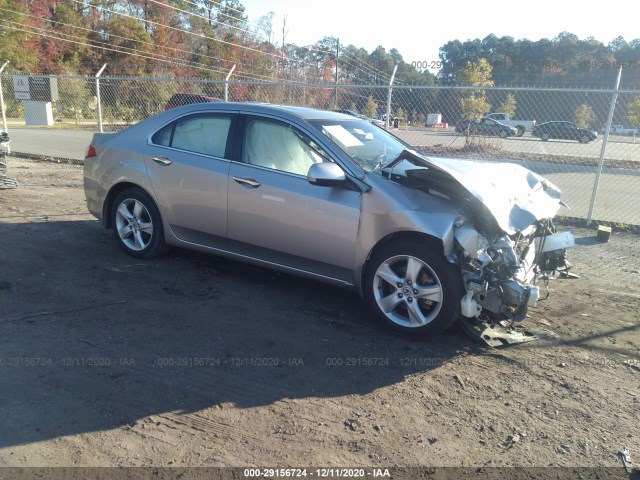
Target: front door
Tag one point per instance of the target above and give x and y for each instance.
(276, 215)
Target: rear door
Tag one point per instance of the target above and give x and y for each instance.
(567, 131)
(276, 215)
(188, 165)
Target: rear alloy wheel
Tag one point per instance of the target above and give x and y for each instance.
(137, 224)
(544, 137)
(413, 289)
(503, 134)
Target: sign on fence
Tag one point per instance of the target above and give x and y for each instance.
(21, 87)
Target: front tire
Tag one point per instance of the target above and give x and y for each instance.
(137, 224)
(412, 289)
(520, 130)
(583, 139)
(544, 137)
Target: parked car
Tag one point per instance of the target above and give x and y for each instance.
(563, 130)
(620, 130)
(486, 126)
(332, 198)
(180, 99)
(520, 125)
(375, 121)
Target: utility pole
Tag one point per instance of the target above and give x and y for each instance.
(284, 36)
(605, 140)
(388, 116)
(335, 100)
(4, 118)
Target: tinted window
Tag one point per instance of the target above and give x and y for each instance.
(205, 134)
(163, 136)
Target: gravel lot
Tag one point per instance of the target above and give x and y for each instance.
(192, 360)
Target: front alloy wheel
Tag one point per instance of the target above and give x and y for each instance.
(413, 290)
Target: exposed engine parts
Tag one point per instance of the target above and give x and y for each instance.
(500, 275)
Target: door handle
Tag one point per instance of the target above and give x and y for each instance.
(247, 181)
(162, 160)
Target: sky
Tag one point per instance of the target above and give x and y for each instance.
(417, 29)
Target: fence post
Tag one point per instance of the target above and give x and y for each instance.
(596, 183)
(226, 83)
(4, 118)
(393, 75)
(98, 96)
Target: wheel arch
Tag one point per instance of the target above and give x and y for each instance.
(399, 237)
(113, 193)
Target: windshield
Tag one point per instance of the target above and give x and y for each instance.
(371, 147)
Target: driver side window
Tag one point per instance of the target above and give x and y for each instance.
(276, 145)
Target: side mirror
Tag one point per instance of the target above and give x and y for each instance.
(326, 174)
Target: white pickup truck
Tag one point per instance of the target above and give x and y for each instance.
(520, 125)
(620, 130)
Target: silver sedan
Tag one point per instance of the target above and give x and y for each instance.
(323, 195)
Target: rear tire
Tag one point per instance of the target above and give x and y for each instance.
(544, 137)
(413, 289)
(503, 134)
(137, 224)
(521, 130)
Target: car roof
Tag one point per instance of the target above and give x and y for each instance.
(287, 111)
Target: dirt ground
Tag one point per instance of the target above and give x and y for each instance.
(192, 360)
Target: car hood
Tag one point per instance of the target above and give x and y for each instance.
(514, 196)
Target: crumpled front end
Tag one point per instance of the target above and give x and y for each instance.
(505, 241)
(508, 241)
(501, 273)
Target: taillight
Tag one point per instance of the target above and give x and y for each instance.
(91, 152)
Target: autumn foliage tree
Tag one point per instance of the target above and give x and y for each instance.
(477, 74)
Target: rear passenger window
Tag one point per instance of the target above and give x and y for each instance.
(205, 134)
(163, 136)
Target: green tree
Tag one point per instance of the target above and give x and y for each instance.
(264, 27)
(75, 99)
(370, 108)
(12, 39)
(508, 106)
(633, 113)
(475, 104)
(231, 16)
(583, 116)
(477, 74)
(474, 107)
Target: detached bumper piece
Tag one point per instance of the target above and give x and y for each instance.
(497, 334)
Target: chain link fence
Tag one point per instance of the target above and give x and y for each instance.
(437, 120)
